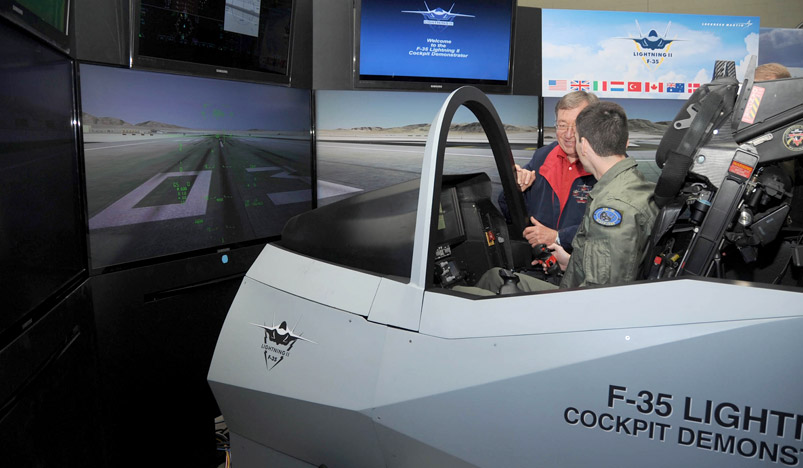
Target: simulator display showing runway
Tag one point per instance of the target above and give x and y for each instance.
(163, 194)
(349, 166)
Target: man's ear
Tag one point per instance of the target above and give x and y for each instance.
(584, 144)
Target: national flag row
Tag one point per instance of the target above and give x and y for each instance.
(621, 86)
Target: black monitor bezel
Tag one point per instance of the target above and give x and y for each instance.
(15, 12)
(145, 62)
(437, 84)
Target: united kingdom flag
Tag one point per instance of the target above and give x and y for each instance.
(580, 85)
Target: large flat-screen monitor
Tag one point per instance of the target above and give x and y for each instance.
(404, 44)
(48, 19)
(235, 39)
(180, 164)
(42, 237)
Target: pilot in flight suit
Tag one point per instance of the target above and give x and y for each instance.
(610, 242)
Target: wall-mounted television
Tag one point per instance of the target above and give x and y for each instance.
(425, 45)
(48, 19)
(178, 164)
(236, 39)
(42, 237)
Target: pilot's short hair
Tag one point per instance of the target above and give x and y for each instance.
(574, 100)
(604, 125)
(771, 71)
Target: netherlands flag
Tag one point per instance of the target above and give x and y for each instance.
(617, 85)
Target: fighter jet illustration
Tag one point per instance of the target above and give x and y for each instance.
(280, 334)
(438, 14)
(652, 41)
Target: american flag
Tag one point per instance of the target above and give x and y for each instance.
(580, 85)
(557, 85)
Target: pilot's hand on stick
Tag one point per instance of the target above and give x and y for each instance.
(560, 255)
(524, 178)
(539, 234)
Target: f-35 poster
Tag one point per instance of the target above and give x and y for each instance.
(618, 54)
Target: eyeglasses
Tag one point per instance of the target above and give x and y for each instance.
(563, 127)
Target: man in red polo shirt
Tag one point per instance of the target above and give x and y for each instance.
(554, 183)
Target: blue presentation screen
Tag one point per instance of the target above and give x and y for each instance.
(464, 40)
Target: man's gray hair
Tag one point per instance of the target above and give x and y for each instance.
(574, 100)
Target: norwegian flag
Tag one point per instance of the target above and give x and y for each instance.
(653, 87)
(580, 85)
(693, 87)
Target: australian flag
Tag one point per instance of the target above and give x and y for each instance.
(675, 87)
(580, 85)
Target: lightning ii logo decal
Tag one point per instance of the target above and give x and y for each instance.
(278, 341)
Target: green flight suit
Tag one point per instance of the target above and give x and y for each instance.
(610, 241)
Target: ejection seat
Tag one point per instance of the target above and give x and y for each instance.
(721, 189)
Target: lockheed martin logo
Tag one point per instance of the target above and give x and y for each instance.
(278, 341)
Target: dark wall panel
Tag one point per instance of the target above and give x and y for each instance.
(332, 54)
(101, 31)
(527, 52)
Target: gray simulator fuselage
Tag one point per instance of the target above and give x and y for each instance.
(379, 371)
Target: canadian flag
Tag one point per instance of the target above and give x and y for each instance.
(654, 87)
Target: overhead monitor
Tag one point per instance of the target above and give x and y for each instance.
(177, 164)
(48, 19)
(234, 39)
(429, 46)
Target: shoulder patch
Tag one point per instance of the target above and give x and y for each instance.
(607, 216)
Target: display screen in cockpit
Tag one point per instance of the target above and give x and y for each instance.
(450, 222)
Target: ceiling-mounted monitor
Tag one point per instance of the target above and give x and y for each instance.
(48, 19)
(420, 45)
(245, 40)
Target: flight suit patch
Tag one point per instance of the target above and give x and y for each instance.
(607, 216)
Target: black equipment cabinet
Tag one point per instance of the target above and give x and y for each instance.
(48, 389)
(157, 328)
